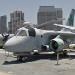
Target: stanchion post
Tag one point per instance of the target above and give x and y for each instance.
(57, 58)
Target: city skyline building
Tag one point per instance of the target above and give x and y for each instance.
(48, 13)
(16, 21)
(3, 24)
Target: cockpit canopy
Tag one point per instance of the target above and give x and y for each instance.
(23, 32)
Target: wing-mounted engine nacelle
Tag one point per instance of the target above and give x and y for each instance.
(56, 44)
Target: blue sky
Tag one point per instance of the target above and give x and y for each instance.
(30, 7)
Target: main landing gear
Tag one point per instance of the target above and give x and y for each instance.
(22, 58)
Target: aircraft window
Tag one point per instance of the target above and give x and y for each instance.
(22, 33)
(32, 32)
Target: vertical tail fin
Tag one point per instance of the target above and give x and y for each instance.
(70, 21)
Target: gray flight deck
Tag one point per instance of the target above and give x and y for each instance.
(44, 64)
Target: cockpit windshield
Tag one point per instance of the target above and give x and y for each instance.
(22, 33)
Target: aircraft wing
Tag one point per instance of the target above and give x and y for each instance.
(64, 26)
(63, 34)
(66, 34)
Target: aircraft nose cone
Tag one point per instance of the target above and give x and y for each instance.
(7, 46)
(13, 44)
(10, 44)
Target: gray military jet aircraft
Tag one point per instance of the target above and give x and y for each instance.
(28, 41)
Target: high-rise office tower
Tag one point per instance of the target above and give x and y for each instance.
(16, 21)
(3, 24)
(48, 13)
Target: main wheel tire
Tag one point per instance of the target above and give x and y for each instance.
(24, 59)
(21, 58)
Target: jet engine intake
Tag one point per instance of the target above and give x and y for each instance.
(56, 44)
